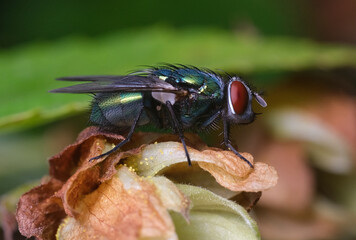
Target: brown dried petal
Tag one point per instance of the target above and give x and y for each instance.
(41, 210)
(231, 174)
(87, 178)
(125, 207)
(90, 143)
(8, 204)
(38, 213)
(228, 169)
(100, 204)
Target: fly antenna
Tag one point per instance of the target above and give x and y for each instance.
(259, 99)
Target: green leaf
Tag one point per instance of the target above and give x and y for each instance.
(27, 73)
(213, 217)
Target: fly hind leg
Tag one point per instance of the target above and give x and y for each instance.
(126, 140)
(178, 129)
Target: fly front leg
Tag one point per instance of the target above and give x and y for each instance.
(126, 140)
(211, 120)
(178, 128)
(228, 144)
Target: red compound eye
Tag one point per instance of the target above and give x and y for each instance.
(239, 97)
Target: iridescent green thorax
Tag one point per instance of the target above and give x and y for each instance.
(206, 83)
(207, 98)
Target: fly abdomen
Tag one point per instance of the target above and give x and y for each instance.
(118, 110)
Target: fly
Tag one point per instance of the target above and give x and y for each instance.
(182, 97)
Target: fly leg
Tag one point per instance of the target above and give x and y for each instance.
(122, 143)
(228, 144)
(178, 129)
(211, 120)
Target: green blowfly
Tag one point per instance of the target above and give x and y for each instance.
(177, 96)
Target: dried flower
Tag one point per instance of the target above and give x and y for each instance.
(144, 191)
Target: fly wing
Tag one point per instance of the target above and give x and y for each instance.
(129, 83)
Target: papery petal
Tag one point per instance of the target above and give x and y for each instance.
(228, 169)
(171, 197)
(8, 204)
(125, 207)
(261, 178)
(90, 143)
(38, 213)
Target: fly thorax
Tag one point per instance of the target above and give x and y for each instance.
(163, 97)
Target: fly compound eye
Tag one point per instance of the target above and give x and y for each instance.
(238, 97)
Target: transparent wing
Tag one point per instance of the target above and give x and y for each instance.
(129, 83)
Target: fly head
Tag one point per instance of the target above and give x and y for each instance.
(238, 107)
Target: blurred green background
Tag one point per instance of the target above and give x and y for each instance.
(302, 53)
